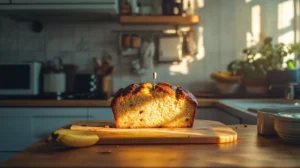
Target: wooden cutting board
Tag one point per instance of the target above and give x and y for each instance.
(203, 131)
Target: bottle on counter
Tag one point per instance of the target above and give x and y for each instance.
(136, 41)
(126, 8)
(126, 41)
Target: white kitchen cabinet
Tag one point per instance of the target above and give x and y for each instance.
(216, 114)
(15, 131)
(46, 120)
(227, 118)
(20, 127)
(4, 1)
(103, 113)
(61, 1)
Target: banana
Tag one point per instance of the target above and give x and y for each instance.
(225, 76)
(75, 138)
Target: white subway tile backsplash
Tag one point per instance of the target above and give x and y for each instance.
(67, 57)
(67, 30)
(98, 54)
(53, 29)
(25, 30)
(8, 43)
(53, 43)
(52, 54)
(31, 44)
(96, 31)
(30, 56)
(8, 28)
(9, 56)
(96, 44)
(82, 30)
(82, 44)
(83, 60)
(67, 44)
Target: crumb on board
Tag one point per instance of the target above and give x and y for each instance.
(236, 127)
(105, 152)
(106, 126)
(245, 125)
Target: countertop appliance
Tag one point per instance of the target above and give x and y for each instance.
(21, 79)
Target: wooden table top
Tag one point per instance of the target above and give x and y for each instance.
(250, 150)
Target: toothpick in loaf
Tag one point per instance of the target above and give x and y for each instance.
(154, 79)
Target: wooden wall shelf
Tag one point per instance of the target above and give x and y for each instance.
(173, 20)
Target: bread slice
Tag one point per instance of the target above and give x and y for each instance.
(166, 106)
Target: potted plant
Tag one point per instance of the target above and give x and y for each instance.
(281, 77)
(294, 48)
(259, 60)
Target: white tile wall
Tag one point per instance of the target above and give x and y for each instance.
(221, 36)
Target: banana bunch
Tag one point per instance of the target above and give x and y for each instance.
(74, 138)
(225, 76)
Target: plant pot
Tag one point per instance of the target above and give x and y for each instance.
(283, 77)
(257, 86)
(227, 88)
(226, 83)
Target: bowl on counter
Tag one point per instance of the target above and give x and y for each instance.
(287, 126)
(265, 123)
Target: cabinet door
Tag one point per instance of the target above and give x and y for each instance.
(216, 114)
(16, 133)
(103, 113)
(6, 155)
(20, 127)
(207, 114)
(46, 120)
(227, 118)
(4, 1)
(62, 1)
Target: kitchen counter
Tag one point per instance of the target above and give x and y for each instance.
(79, 103)
(237, 108)
(250, 150)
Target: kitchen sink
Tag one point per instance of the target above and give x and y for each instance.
(275, 105)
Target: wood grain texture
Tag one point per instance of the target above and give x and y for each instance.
(250, 150)
(79, 103)
(203, 131)
(176, 20)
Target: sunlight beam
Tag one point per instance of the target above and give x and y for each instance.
(255, 23)
(201, 49)
(200, 3)
(285, 26)
(285, 14)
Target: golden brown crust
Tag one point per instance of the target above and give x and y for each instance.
(159, 87)
(167, 88)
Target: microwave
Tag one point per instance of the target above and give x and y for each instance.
(20, 78)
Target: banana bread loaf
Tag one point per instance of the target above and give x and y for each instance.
(166, 106)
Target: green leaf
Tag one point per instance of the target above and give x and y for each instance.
(290, 64)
